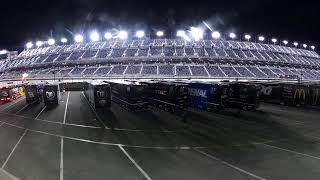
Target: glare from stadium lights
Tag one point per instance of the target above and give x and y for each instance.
(285, 42)
(2, 52)
(140, 34)
(247, 37)
(216, 35)
(107, 35)
(39, 43)
(304, 45)
(64, 40)
(274, 40)
(295, 44)
(25, 75)
(313, 47)
(196, 33)
(94, 36)
(51, 41)
(78, 38)
(160, 33)
(29, 45)
(261, 38)
(181, 33)
(232, 35)
(123, 35)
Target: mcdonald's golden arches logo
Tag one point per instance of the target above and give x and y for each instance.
(299, 93)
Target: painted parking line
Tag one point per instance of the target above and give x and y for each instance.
(135, 163)
(40, 112)
(65, 110)
(291, 151)
(1, 124)
(229, 165)
(12, 104)
(61, 160)
(5, 163)
(23, 108)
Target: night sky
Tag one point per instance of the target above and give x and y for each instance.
(27, 20)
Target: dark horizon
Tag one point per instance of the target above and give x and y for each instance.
(36, 20)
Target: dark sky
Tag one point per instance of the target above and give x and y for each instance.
(27, 20)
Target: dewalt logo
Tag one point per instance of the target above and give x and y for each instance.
(299, 93)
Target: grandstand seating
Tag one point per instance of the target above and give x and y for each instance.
(167, 58)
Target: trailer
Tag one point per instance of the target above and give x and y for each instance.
(6, 94)
(243, 96)
(98, 94)
(207, 96)
(130, 95)
(34, 93)
(169, 96)
(51, 94)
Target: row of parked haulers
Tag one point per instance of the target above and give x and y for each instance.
(50, 94)
(173, 96)
(10, 92)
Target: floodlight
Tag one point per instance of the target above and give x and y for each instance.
(29, 45)
(313, 47)
(25, 75)
(261, 38)
(94, 36)
(78, 38)
(285, 42)
(274, 40)
(51, 41)
(140, 34)
(304, 45)
(232, 35)
(123, 35)
(107, 35)
(64, 40)
(196, 33)
(160, 33)
(295, 44)
(39, 43)
(181, 33)
(216, 35)
(2, 52)
(247, 37)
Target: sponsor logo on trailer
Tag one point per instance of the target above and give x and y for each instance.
(50, 94)
(198, 92)
(266, 90)
(300, 93)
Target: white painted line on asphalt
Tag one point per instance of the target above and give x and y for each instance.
(40, 112)
(61, 160)
(5, 163)
(291, 151)
(10, 176)
(24, 107)
(230, 165)
(135, 163)
(12, 104)
(1, 124)
(65, 110)
(96, 114)
(84, 126)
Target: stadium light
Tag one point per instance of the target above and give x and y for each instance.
(25, 75)
(261, 38)
(247, 37)
(274, 40)
(51, 41)
(64, 40)
(216, 35)
(196, 33)
(295, 44)
(160, 33)
(123, 35)
(2, 52)
(94, 36)
(285, 42)
(107, 35)
(181, 33)
(140, 34)
(29, 45)
(305, 46)
(232, 35)
(39, 43)
(313, 47)
(78, 38)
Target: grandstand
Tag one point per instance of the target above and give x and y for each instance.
(164, 58)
